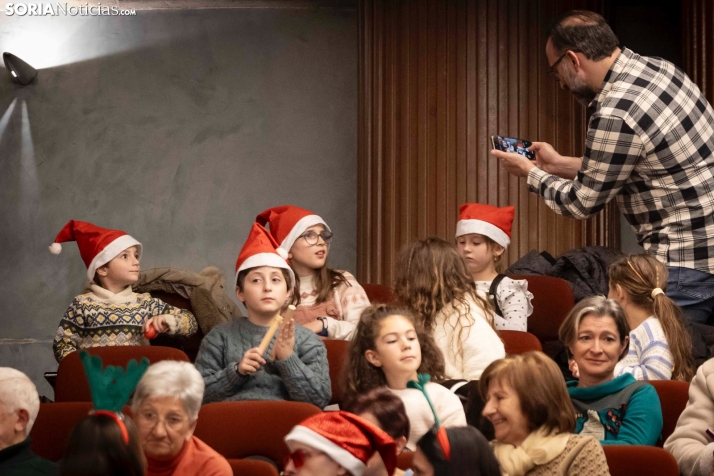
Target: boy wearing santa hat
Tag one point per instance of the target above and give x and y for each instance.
(337, 444)
(294, 366)
(111, 313)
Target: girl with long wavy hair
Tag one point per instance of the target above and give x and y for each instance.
(390, 349)
(660, 346)
(433, 281)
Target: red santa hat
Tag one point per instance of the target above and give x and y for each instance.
(347, 439)
(261, 249)
(97, 246)
(486, 220)
(288, 222)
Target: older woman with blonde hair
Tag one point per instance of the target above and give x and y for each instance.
(165, 407)
(615, 410)
(528, 404)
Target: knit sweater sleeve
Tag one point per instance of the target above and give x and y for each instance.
(305, 372)
(589, 461)
(185, 320)
(689, 443)
(351, 300)
(642, 423)
(649, 357)
(67, 337)
(221, 377)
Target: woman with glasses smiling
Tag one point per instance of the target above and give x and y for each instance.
(165, 407)
(329, 302)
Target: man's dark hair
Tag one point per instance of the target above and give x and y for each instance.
(585, 32)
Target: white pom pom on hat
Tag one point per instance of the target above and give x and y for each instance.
(55, 248)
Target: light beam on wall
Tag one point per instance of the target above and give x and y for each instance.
(6, 118)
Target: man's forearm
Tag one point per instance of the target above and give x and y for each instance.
(568, 169)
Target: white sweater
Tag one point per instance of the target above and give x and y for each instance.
(649, 357)
(421, 419)
(689, 443)
(481, 344)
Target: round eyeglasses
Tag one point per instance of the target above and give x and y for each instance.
(311, 237)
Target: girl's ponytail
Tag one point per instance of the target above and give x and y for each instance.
(645, 281)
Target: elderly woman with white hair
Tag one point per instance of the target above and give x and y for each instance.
(19, 405)
(165, 407)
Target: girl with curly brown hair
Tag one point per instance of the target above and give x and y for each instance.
(433, 281)
(390, 349)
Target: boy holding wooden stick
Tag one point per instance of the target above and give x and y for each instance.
(241, 359)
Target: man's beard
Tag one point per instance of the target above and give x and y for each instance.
(580, 89)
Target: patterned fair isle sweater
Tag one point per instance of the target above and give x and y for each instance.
(303, 377)
(101, 318)
(342, 310)
(649, 357)
(582, 456)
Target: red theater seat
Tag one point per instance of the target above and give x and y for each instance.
(72, 383)
(54, 425)
(626, 460)
(251, 428)
(552, 301)
(673, 396)
(379, 293)
(517, 342)
(336, 358)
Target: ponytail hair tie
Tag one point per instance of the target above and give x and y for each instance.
(656, 291)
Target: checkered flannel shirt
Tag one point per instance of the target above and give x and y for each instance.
(650, 143)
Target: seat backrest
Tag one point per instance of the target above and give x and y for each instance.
(552, 301)
(252, 467)
(53, 425)
(251, 428)
(379, 293)
(673, 396)
(518, 342)
(336, 358)
(72, 386)
(626, 460)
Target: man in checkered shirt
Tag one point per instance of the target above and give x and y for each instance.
(649, 144)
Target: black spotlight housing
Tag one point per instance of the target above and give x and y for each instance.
(21, 72)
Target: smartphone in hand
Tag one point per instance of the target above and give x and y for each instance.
(511, 144)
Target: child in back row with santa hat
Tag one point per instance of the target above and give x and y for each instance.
(483, 233)
(329, 301)
(111, 313)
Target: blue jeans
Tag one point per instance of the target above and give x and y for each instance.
(693, 291)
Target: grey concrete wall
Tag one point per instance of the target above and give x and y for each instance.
(178, 126)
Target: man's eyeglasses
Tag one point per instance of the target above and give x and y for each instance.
(312, 238)
(552, 71)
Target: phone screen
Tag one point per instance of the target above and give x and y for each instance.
(510, 144)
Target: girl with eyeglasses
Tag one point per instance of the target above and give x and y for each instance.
(329, 301)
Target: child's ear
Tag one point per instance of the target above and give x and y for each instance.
(498, 250)
(102, 271)
(373, 358)
(239, 294)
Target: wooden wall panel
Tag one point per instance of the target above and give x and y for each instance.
(437, 79)
(698, 31)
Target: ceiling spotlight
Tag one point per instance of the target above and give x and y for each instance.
(21, 72)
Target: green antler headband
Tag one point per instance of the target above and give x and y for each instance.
(440, 431)
(111, 387)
